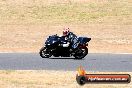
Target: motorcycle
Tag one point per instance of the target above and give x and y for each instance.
(56, 46)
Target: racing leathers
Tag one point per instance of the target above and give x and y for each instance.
(72, 39)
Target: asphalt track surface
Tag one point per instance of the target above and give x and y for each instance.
(92, 62)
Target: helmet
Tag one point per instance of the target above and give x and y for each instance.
(65, 31)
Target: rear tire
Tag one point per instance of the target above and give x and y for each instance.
(81, 53)
(44, 53)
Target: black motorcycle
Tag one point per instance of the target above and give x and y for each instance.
(54, 47)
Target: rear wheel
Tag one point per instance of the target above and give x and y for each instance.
(44, 53)
(81, 53)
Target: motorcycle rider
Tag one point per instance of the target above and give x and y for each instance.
(71, 38)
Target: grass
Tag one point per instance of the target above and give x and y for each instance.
(50, 79)
(24, 25)
(63, 13)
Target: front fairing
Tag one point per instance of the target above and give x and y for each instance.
(51, 40)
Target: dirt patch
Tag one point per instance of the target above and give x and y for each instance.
(30, 38)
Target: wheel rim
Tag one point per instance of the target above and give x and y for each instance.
(45, 54)
(81, 53)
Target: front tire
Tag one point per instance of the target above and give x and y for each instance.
(81, 53)
(44, 53)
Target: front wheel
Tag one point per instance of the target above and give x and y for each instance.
(81, 53)
(44, 53)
